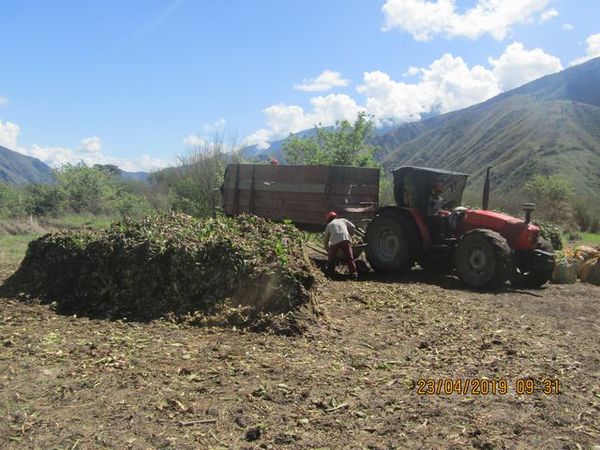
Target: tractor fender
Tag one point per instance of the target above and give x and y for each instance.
(418, 219)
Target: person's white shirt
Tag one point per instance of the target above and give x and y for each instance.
(338, 230)
(436, 202)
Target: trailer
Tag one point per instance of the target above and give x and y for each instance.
(301, 193)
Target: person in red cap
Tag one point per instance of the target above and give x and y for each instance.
(338, 235)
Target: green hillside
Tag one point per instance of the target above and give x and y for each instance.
(549, 126)
(16, 168)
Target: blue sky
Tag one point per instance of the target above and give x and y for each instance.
(137, 82)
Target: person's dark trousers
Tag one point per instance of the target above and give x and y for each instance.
(347, 249)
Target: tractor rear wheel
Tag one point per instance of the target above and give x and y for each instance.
(482, 259)
(534, 272)
(393, 242)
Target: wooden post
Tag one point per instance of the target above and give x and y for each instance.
(251, 203)
(236, 190)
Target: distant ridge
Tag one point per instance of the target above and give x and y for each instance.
(548, 126)
(16, 168)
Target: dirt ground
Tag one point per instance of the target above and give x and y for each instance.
(351, 381)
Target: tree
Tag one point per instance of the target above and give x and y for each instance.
(194, 186)
(85, 189)
(549, 189)
(45, 199)
(95, 190)
(13, 201)
(344, 144)
(552, 195)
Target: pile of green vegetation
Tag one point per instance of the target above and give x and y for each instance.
(236, 269)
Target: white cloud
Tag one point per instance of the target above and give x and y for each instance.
(89, 151)
(566, 27)
(447, 84)
(284, 119)
(192, 140)
(211, 131)
(548, 14)
(423, 19)
(58, 156)
(9, 133)
(144, 163)
(214, 126)
(326, 81)
(592, 50)
(412, 71)
(518, 66)
(91, 145)
(3, 100)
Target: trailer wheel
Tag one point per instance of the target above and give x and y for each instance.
(393, 242)
(482, 259)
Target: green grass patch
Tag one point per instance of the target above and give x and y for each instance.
(590, 238)
(13, 247)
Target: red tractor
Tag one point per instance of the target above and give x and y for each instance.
(429, 226)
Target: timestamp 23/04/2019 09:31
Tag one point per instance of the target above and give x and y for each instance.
(484, 386)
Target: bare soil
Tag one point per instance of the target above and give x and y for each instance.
(350, 381)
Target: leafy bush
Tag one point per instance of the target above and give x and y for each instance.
(546, 189)
(194, 186)
(45, 199)
(85, 189)
(345, 144)
(551, 233)
(13, 202)
(587, 215)
(126, 204)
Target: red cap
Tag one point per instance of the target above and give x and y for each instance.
(330, 216)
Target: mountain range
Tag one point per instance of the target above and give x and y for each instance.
(16, 168)
(548, 126)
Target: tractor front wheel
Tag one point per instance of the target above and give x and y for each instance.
(533, 270)
(392, 243)
(482, 259)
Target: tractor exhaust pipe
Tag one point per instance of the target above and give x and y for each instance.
(486, 189)
(528, 208)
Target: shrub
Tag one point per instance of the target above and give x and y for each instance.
(587, 215)
(45, 199)
(13, 202)
(344, 144)
(552, 233)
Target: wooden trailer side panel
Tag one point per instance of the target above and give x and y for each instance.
(303, 194)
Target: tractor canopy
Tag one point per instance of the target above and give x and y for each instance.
(413, 187)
